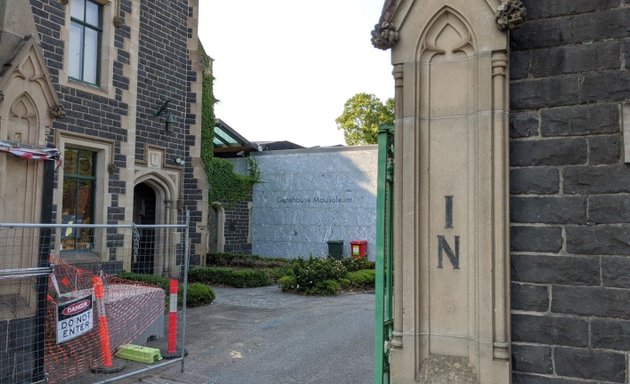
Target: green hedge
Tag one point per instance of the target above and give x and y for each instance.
(197, 295)
(244, 261)
(362, 279)
(158, 281)
(239, 278)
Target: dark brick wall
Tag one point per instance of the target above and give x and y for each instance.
(18, 353)
(165, 73)
(87, 113)
(570, 193)
(237, 228)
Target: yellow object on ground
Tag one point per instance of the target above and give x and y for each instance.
(139, 353)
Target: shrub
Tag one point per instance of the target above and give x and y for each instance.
(198, 295)
(363, 279)
(308, 273)
(352, 264)
(287, 283)
(239, 278)
(344, 283)
(276, 273)
(325, 288)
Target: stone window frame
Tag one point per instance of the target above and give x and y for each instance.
(104, 150)
(106, 53)
(86, 26)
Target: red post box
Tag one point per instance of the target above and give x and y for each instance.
(358, 249)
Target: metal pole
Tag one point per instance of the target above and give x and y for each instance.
(381, 245)
(43, 262)
(139, 371)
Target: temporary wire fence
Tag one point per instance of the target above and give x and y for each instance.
(86, 303)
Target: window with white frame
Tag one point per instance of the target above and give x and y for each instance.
(85, 39)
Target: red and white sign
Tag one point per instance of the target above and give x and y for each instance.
(74, 318)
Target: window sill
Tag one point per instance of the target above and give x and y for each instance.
(80, 256)
(87, 87)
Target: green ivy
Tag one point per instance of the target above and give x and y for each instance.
(226, 186)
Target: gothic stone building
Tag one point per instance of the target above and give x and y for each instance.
(511, 158)
(115, 85)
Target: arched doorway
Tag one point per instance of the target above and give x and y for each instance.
(144, 212)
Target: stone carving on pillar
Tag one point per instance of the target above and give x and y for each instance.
(118, 21)
(1, 95)
(57, 111)
(384, 35)
(510, 14)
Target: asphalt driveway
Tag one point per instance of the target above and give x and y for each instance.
(261, 335)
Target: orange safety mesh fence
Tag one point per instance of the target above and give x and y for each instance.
(130, 307)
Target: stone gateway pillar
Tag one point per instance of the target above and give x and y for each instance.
(451, 226)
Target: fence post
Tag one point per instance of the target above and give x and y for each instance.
(172, 351)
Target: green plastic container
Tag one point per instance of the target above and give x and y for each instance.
(335, 249)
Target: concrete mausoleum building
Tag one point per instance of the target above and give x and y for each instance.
(511, 180)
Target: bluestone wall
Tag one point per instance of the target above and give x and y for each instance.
(570, 193)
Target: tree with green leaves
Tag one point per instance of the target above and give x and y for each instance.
(361, 117)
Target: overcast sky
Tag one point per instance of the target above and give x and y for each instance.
(284, 68)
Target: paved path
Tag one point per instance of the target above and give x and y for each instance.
(261, 335)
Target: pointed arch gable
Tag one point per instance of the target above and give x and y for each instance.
(24, 121)
(29, 74)
(25, 84)
(163, 183)
(448, 32)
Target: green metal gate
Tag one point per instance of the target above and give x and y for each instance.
(383, 323)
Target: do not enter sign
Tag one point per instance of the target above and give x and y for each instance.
(74, 318)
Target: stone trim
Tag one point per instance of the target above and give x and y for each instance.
(451, 150)
(107, 55)
(104, 149)
(199, 172)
